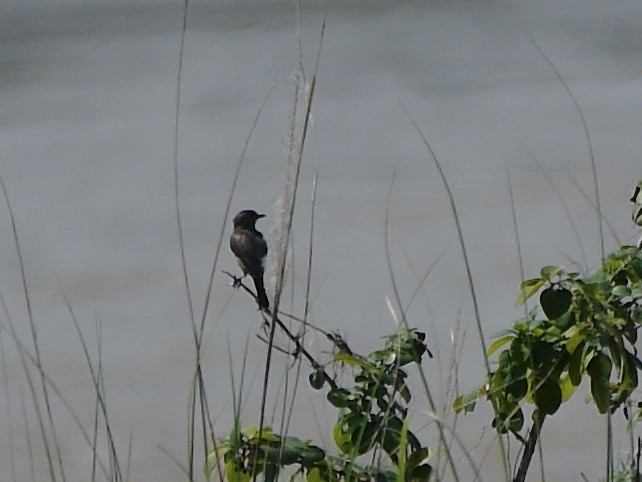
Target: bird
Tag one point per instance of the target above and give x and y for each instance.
(250, 248)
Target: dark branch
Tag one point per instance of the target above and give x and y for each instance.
(529, 448)
(299, 348)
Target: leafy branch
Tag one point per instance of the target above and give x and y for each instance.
(583, 327)
(373, 417)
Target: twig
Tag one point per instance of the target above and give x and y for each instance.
(238, 283)
(293, 338)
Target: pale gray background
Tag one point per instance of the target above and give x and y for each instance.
(86, 146)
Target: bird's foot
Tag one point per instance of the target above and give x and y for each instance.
(236, 281)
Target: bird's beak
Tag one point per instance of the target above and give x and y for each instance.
(259, 216)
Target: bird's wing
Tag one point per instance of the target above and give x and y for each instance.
(250, 248)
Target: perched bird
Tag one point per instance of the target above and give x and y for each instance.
(250, 249)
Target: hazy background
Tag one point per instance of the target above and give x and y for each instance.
(87, 98)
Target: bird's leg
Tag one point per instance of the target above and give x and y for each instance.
(339, 342)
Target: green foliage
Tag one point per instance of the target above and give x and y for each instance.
(379, 396)
(583, 327)
(373, 415)
(242, 451)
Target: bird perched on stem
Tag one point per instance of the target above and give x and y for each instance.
(250, 249)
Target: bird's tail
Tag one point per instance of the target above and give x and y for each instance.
(261, 296)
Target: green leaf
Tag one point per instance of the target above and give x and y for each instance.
(387, 356)
(555, 302)
(636, 269)
(421, 473)
(599, 369)
(499, 343)
(516, 422)
(272, 455)
(413, 441)
(528, 288)
(575, 340)
(392, 434)
(550, 271)
(351, 360)
(630, 332)
(294, 450)
(497, 424)
(317, 379)
(466, 402)
(380, 476)
(401, 452)
(497, 386)
(503, 424)
(591, 290)
(314, 475)
(312, 455)
(630, 373)
(616, 350)
(339, 397)
(270, 472)
(212, 460)
(418, 457)
(566, 320)
(542, 352)
(628, 381)
(234, 474)
(567, 387)
(621, 291)
(601, 394)
(548, 397)
(575, 371)
(520, 351)
(517, 385)
(342, 438)
(620, 278)
(344, 432)
(600, 366)
(364, 439)
(251, 432)
(402, 388)
(502, 333)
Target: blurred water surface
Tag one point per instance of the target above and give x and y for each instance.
(86, 136)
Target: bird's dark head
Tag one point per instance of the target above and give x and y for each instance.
(247, 218)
